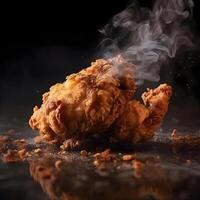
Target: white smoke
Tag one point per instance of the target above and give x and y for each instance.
(147, 37)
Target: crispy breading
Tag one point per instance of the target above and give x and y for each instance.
(97, 100)
(139, 121)
(86, 103)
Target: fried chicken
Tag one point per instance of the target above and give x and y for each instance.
(98, 100)
(139, 121)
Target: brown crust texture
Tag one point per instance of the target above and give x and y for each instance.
(86, 103)
(98, 100)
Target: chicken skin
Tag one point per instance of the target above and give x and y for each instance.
(98, 100)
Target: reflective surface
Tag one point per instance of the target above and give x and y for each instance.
(158, 170)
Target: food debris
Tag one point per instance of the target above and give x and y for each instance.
(189, 140)
(83, 153)
(20, 143)
(22, 153)
(11, 156)
(174, 133)
(104, 156)
(127, 157)
(58, 164)
(3, 141)
(38, 151)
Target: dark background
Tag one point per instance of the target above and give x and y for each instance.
(41, 44)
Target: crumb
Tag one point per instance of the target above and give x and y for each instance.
(96, 162)
(20, 143)
(38, 151)
(63, 152)
(22, 153)
(190, 140)
(11, 156)
(84, 153)
(58, 164)
(3, 141)
(174, 133)
(4, 138)
(28, 154)
(127, 157)
(106, 155)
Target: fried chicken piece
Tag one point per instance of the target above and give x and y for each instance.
(98, 100)
(139, 121)
(87, 103)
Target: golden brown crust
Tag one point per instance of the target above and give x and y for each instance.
(86, 103)
(139, 122)
(96, 100)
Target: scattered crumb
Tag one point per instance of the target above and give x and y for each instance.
(28, 154)
(20, 143)
(58, 164)
(83, 153)
(3, 141)
(190, 140)
(174, 133)
(38, 151)
(11, 156)
(127, 157)
(22, 153)
(96, 162)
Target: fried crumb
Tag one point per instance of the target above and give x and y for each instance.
(28, 154)
(83, 153)
(174, 133)
(190, 140)
(63, 152)
(11, 156)
(3, 141)
(106, 155)
(96, 162)
(58, 164)
(38, 151)
(127, 157)
(22, 153)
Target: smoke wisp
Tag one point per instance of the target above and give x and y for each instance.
(147, 38)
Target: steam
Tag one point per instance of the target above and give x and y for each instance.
(148, 38)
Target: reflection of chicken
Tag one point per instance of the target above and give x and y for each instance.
(71, 175)
(98, 99)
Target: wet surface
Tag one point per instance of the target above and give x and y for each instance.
(157, 170)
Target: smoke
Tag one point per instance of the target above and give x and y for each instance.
(147, 37)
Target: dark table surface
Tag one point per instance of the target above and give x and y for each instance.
(167, 173)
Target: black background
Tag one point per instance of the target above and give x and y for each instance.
(41, 44)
